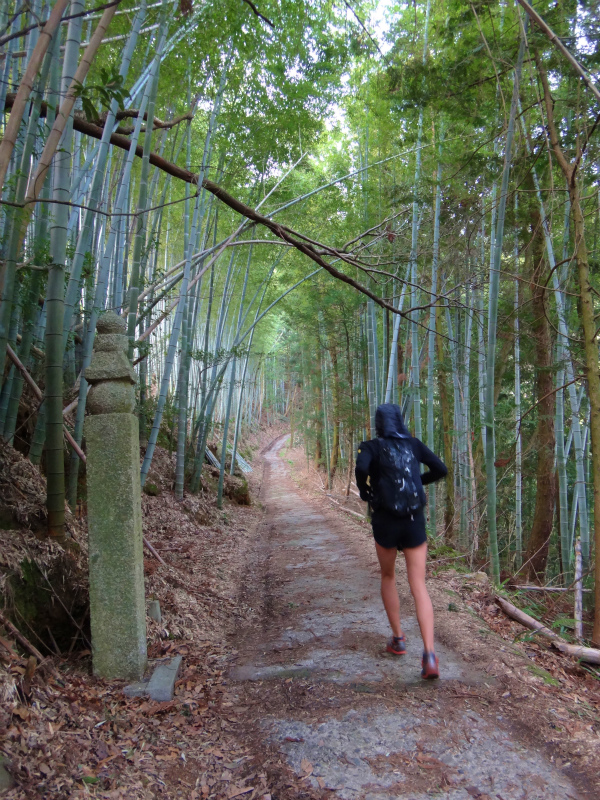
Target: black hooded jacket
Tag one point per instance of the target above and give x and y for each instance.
(389, 424)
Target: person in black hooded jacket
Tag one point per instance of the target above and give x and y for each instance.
(396, 526)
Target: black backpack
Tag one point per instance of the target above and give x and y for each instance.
(396, 490)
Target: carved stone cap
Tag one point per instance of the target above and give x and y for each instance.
(110, 365)
(111, 341)
(111, 323)
(109, 359)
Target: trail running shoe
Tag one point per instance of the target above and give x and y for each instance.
(431, 667)
(396, 646)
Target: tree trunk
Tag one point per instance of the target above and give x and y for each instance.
(335, 446)
(593, 380)
(318, 414)
(587, 323)
(536, 555)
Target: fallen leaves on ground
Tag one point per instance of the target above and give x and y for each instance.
(78, 736)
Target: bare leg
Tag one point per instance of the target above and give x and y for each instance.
(416, 558)
(389, 592)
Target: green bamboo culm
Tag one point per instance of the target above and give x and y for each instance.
(141, 216)
(490, 468)
(187, 333)
(431, 334)
(55, 296)
(31, 299)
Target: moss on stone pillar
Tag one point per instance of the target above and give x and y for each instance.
(117, 601)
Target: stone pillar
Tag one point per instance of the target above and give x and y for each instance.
(117, 601)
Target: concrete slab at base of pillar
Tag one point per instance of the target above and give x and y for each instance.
(161, 686)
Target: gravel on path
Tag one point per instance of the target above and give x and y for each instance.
(350, 720)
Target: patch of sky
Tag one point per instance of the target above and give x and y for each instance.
(378, 25)
(585, 46)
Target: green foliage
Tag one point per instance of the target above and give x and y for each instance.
(103, 93)
(218, 357)
(316, 86)
(563, 624)
(542, 673)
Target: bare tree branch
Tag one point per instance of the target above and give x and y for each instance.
(560, 46)
(258, 14)
(281, 231)
(25, 31)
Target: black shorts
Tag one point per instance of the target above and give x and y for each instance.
(400, 532)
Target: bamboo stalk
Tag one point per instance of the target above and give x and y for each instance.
(62, 189)
(545, 28)
(97, 180)
(20, 102)
(492, 325)
(140, 219)
(8, 268)
(37, 180)
(578, 611)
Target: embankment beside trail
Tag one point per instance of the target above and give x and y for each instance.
(63, 733)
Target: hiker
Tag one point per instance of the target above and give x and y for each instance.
(388, 478)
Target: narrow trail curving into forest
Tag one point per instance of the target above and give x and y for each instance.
(344, 715)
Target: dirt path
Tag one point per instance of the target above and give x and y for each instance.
(313, 681)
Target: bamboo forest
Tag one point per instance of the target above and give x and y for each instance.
(229, 232)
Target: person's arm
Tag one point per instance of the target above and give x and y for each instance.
(361, 472)
(436, 467)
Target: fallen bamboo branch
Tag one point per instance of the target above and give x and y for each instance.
(525, 587)
(154, 553)
(21, 639)
(42, 661)
(71, 407)
(347, 510)
(588, 654)
(545, 28)
(40, 396)
(288, 235)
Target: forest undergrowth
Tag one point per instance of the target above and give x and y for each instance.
(67, 734)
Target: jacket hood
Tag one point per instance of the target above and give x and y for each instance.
(389, 422)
